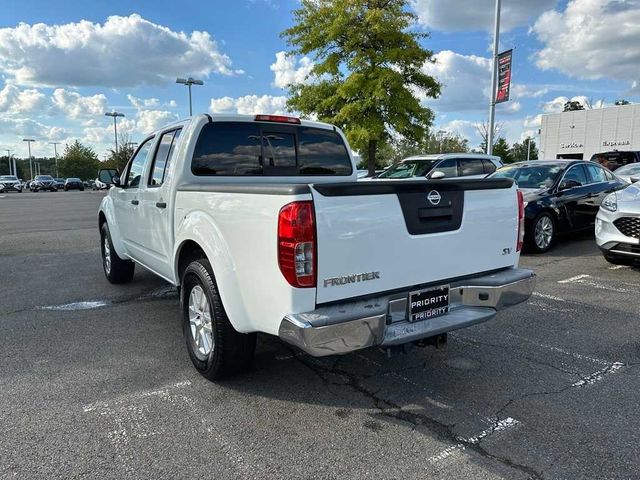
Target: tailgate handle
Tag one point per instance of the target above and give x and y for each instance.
(433, 213)
(161, 204)
(135, 202)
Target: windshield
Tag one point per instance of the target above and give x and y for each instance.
(631, 169)
(530, 176)
(8, 177)
(73, 179)
(44, 177)
(407, 169)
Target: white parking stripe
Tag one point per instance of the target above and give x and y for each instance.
(599, 375)
(76, 305)
(548, 297)
(618, 267)
(559, 350)
(161, 392)
(500, 426)
(574, 279)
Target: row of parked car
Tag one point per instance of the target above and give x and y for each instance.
(11, 183)
(561, 196)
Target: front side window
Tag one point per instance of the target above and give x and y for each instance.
(576, 174)
(449, 167)
(245, 148)
(136, 166)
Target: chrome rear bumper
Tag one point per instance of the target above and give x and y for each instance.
(346, 327)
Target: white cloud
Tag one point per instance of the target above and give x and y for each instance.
(149, 120)
(124, 51)
(26, 127)
(465, 81)
(289, 70)
(16, 101)
(76, 106)
(250, 104)
(592, 39)
(465, 15)
(557, 104)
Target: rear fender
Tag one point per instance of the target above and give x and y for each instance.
(200, 228)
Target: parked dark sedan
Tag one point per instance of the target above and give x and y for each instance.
(560, 196)
(73, 184)
(43, 182)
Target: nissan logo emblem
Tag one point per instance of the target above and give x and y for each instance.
(434, 197)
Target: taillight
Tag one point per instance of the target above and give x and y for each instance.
(297, 244)
(520, 221)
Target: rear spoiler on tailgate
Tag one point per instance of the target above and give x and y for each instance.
(382, 187)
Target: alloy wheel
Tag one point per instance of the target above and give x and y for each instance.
(543, 233)
(200, 321)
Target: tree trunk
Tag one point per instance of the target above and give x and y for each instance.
(371, 161)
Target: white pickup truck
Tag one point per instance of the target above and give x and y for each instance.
(261, 224)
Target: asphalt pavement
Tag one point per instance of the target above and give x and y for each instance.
(95, 380)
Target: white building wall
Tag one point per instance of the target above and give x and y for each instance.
(587, 132)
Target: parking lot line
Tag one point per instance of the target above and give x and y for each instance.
(599, 375)
(586, 280)
(500, 426)
(160, 392)
(88, 305)
(578, 356)
(574, 279)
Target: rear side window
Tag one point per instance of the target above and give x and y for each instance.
(245, 148)
(596, 173)
(489, 166)
(471, 166)
(161, 161)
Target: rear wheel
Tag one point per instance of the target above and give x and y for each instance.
(216, 349)
(116, 269)
(543, 233)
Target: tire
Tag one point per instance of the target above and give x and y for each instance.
(116, 269)
(542, 234)
(221, 351)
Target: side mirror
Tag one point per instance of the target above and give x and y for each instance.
(569, 184)
(436, 175)
(634, 179)
(105, 175)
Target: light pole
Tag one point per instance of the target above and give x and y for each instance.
(440, 137)
(494, 80)
(9, 161)
(115, 115)
(29, 140)
(188, 82)
(528, 148)
(55, 153)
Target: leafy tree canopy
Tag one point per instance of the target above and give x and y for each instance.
(79, 161)
(368, 70)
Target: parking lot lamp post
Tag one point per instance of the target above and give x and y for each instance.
(528, 148)
(115, 115)
(29, 140)
(11, 172)
(188, 82)
(494, 80)
(55, 153)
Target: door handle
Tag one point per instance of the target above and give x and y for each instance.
(161, 204)
(135, 202)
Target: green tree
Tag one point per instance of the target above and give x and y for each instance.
(502, 150)
(79, 161)
(519, 151)
(441, 142)
(368, 66)
(119, 158)
(573, 105)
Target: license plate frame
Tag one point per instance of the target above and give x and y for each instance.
(437, 303)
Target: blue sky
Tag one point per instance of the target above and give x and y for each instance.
(63, 63)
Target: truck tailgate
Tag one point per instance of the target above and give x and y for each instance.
(385, 235)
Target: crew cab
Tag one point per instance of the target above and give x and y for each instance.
(260, 222)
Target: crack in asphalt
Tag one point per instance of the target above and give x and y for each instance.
(389, 409)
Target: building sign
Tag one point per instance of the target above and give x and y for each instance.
(571, 145)
(621, 143)
(504, 76)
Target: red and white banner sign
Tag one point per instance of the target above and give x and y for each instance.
(504, 76)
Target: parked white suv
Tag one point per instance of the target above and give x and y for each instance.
(618, 226)
(261, 223)
(446, 165)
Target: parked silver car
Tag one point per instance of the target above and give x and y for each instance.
(630, 173)
(446, 165)
(618, 226)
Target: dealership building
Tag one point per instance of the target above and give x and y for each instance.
(582, 133)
